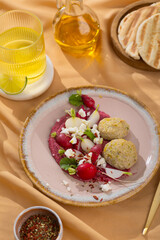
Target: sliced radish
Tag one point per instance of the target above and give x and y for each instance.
(114, 173)
(73, 122)
(93, 118)
(86, 145)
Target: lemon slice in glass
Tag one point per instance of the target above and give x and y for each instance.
(12, 85)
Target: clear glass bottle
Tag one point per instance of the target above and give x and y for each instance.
(76, 27)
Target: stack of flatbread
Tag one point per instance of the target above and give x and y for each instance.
(139, 34)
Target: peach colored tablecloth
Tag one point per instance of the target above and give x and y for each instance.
(123, 221)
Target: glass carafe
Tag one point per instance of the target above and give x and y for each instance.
(76, 27)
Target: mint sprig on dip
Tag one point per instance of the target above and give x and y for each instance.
(69, 164)
(76, 99)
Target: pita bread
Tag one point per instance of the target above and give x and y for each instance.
(148, 41)
(128, 27)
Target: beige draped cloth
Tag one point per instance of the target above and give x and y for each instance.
(122, 221)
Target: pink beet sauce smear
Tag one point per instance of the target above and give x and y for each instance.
(55, 147)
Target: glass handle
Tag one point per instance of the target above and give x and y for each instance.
(59, 3)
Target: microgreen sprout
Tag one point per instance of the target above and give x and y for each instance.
(53, 134)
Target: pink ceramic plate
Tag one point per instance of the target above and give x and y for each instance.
(45, 173)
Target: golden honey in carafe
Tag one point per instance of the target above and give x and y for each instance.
(76, 28)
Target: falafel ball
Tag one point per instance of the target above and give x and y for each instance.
(120, 154)
(113, 128)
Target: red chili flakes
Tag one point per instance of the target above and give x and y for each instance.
(91, 186)
(39, 227)
(95, 197)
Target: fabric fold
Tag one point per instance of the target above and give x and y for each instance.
(28, 196)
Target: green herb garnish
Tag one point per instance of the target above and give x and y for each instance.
(71, 112)
(61, 151)
(71, 171)
(127, 173)
(68, 164)
(53, 134)
(76, 100)
(89, 133)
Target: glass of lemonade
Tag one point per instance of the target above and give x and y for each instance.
(22, 49)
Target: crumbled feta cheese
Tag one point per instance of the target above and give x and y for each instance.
(69, 130)
(98, 140)
(86, 122)
(81, 129)
(95, 131)
(65, 131)
(58, 120)
(86, 158)
(81, 161)
(88, 114)
(89, 161)
(82, 113)
(80, 133)
(94, 128)
(105, 187)
(69, 153)
(73, 129)
(101, 162)
(47, 184)
(65, 182)
(68, 189)
(89, 155)
(67, 185)
(78, 155)
(73, 140)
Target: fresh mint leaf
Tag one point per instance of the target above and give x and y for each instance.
(89, 134)
(67, 163)
(76, 100)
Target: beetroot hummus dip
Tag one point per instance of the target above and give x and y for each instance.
(55, 147)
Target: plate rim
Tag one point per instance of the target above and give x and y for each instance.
(51, 195)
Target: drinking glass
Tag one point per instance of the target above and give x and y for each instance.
(22, 49)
